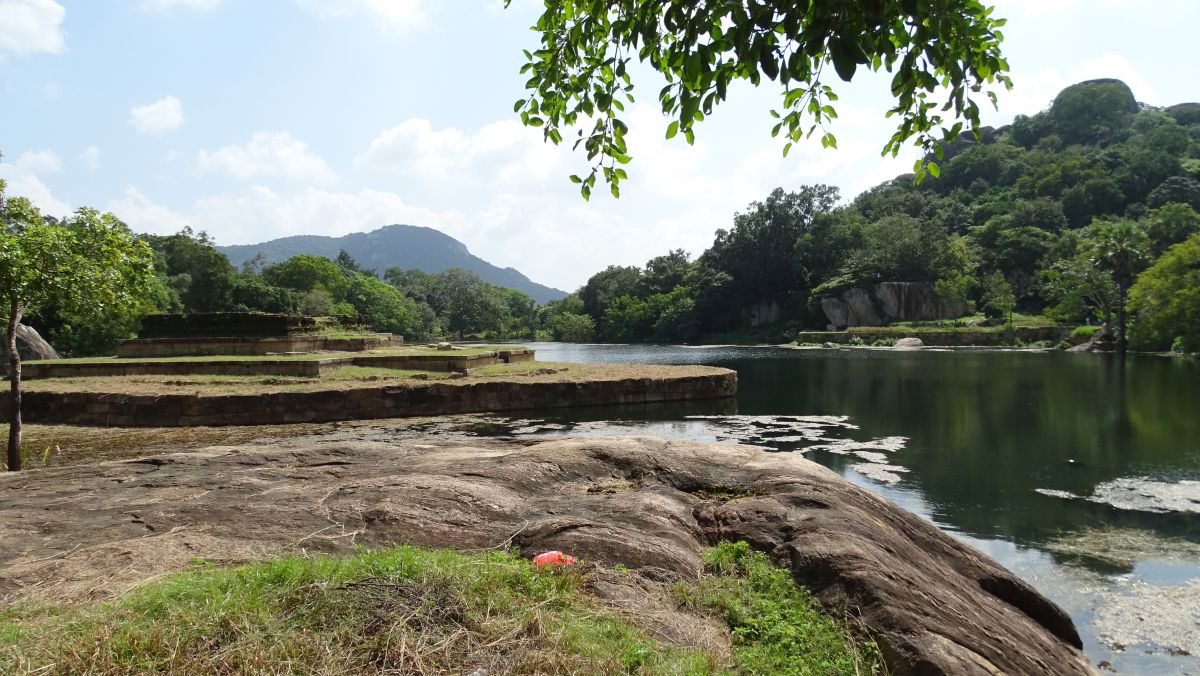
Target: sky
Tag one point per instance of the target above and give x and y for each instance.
(257, 119)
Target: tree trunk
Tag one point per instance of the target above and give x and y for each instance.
(1121, 291)
(14, 375)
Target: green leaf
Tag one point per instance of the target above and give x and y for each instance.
(672, 129)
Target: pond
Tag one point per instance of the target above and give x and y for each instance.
(1079, 472)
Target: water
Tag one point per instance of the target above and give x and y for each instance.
(1081, 473)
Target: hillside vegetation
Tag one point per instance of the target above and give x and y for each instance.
(1055, 214)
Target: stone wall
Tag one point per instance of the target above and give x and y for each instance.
(409, 399)
(218, 346)
(957, 338)
(224, 324)
(886, 302)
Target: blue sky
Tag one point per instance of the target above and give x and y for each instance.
(255, 119)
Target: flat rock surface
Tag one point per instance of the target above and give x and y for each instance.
(934, 605)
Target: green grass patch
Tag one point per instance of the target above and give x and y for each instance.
(1084, 332)
(410, 610)
(776, 625)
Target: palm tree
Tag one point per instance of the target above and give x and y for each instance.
(1120, 248)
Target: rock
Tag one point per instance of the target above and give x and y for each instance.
(908, 344)
(914, 301)
(445, 346)
(31, 345)
(886, 302)
(862, 308)
(828, 345)
(765, 313)
(933, 604)
(838, 313)
(1103, 340)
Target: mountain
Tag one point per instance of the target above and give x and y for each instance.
(401, 246)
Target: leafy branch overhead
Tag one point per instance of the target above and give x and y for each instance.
(943, 55)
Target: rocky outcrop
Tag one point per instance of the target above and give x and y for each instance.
(908, 344)
(933, 604)
(886, 302)
(31, 345)
(1103, 340)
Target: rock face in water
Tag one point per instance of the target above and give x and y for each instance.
(887, 302)
(933, 604)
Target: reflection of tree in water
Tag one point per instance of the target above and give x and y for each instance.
(988, 428)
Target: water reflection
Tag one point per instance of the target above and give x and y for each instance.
(982, 433)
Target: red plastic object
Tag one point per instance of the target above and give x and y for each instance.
(553, 558)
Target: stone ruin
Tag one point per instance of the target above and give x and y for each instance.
(247, 333)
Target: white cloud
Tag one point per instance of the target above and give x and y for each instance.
(165, 114)
(22, 182)
(504, 152)
(165, 5)
(90, 157)
(30, 27)
(269, 154)
(39, 162)
(143, 215)
(396, 16)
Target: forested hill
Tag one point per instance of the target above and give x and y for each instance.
(1055, 214)
(401, 246)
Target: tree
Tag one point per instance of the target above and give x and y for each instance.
(467, 303)
(998, 298)
(203, 276)
(1168, 225)
(1119, 248)
(88, 263)
(307, 273)
(942, 53)
(664, 273)
(606, 286)
(1166, 300)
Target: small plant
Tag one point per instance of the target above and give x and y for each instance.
(1084, 332)
(855, 341)
(883, 342)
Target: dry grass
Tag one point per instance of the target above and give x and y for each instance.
(58, 445)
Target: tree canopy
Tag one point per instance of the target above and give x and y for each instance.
(944, 55)
(89, 263)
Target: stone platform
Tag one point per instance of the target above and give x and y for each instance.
(402, 398)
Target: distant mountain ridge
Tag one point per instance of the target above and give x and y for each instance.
(401, 246)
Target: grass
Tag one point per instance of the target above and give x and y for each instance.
(1084, 332)
(409, 610)
(777, 627)
(1019, 321)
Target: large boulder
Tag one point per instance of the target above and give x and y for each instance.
(933, 604)
(862, 308)
(888, 302)
(31, 345)
(837, 311)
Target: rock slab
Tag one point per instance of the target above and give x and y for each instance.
(933, 604)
